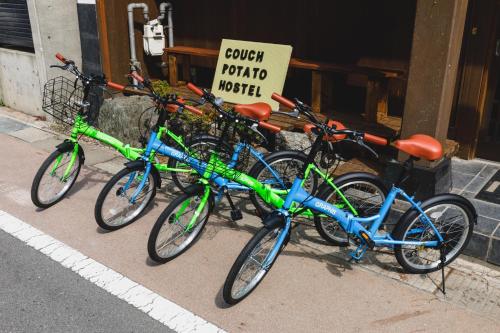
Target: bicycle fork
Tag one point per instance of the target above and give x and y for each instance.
(69, 167)
(277, 246)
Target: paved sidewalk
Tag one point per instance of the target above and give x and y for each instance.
(311, 288)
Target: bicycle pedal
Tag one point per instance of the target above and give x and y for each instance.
(358, 253)
(368, 241)
(236, 215)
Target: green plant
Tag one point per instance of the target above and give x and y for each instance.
(161, 87)
(1, 102)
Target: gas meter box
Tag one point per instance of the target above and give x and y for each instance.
(154, 38)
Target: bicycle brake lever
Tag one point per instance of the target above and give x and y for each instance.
(196, 102)
(58, 66)
(294, 113)
(361, 143)
(254, 129)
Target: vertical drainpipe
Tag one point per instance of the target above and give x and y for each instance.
(130, 10)
(164, 6)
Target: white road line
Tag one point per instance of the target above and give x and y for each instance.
(168, 313)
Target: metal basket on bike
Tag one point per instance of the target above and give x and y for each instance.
(63, 99)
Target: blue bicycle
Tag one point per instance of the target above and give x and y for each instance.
(429, 236)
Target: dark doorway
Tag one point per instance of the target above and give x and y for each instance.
(488, 146)
(475, 118)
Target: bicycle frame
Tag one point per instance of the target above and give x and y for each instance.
(351, 224)
(224, 176)
(81, 127)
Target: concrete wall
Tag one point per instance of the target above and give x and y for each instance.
(54, 24)
(55, 29)
(19, 83)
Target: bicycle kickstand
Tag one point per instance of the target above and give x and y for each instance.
(442, 259)
(235, 212)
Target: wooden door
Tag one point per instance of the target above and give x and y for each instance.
(477, 79)
(489, 133)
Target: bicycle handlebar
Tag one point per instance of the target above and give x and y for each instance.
(283, 101)
(115, 86)
(375, 139)
(268, 126)
(136, 76)
(193, 110)
(61, 58)
(195, 89)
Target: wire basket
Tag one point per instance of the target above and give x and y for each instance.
(63, 100)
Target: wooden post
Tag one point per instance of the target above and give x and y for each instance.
(172, 70)
(186, 68)
(437, 40)
(316, 86)
(376, 102)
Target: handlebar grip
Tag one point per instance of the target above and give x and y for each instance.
(282, 100)
(115, 86)
(195, 89)
(172, 108)
(269, 127)
(193, 110)
(375, 139)
(136, 76)
(60, 57)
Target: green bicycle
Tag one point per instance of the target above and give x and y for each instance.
(182, 222)
(73, 104)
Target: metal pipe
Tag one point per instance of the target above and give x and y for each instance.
(130, 10)
(170, 24)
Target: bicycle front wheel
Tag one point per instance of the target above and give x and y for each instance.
(452, 215)
(251, 265)
(53, 180)
(179, 226)
(114, 207)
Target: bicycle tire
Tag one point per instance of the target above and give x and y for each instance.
(282, 156)
(107, 190)
(35, 186)
(165, 216)
(242, 258)
(173, 163)
(412, 216)
(331, 231)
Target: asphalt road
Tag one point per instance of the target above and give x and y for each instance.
(37, 294)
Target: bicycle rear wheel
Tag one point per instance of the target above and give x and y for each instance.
(202, 147)
(179, 225)
(364, 191)
(287, 165)
(248, 270)
(454, 218)
(49, 185)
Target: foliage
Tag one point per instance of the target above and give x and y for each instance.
(161, 87)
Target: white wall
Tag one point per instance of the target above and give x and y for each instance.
(19, 83)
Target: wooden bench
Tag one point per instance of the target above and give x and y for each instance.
(376, 87)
